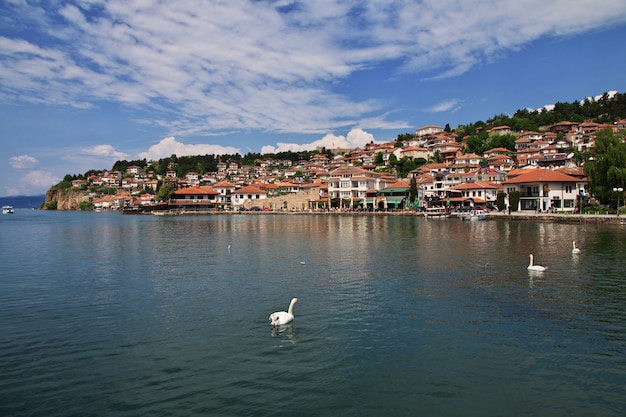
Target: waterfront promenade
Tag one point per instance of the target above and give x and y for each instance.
(561, 218)
(494, 215)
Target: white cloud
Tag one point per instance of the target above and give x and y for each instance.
(170, 146)
(105, 151)
(35, 182)
(356, 138)
(22, 161)
(210, 67)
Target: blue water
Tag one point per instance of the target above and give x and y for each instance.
(105, 314)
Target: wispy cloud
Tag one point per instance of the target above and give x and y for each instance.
(446, 106)
(210, 67)
(23, 161)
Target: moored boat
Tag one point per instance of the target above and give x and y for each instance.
(475, 215)
(436, 213)
(7, 210)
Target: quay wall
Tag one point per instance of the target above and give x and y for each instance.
(515, 216)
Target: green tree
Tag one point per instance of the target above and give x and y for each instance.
(165, 192)
(605, 165)
(413, 191)
(500, 201)
(501, 141)
(405, 165)
(514, 197)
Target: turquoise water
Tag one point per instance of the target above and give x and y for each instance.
(105, 314)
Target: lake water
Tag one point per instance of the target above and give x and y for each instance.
(103, 314)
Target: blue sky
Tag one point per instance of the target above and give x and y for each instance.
(84, 83)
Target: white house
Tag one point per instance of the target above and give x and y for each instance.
(428, 130)
(248, 197)
(545, 189)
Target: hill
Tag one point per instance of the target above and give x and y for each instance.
(23, 201)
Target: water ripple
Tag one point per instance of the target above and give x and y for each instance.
(396, 316)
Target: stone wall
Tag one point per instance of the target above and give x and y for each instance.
(290, 202)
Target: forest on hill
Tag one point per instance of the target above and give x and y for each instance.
(607, 109)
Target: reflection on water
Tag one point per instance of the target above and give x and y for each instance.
(145, 315)
(285, 332)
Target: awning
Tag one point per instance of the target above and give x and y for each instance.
(395, 200)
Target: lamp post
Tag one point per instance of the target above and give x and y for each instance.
(618, 190)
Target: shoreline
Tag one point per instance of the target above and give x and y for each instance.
(538, 217)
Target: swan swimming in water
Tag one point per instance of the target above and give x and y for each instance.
(532, 267)
(574, 248)
(283, 317)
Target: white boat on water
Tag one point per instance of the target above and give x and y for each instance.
(7, 210)
(436, 213)
(474, 215)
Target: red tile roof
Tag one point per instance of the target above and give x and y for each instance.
(250, 189)
(542, 175)
(196, 190)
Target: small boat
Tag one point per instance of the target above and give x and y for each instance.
(436, 213)
(475, 215)
(132, 210)
(7, 210)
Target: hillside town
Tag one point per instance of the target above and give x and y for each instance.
(543, 169)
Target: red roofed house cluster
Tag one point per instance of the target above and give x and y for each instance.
(541, 168)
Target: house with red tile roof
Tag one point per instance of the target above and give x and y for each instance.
(198, 197)
(496, 151)
(563, 127)
(414, 152)
(500, 130)
(248, 197)
(479, 192)
(501, 162)
(351, 184)
(428, 130)
(545, 189)
(225, 190)
(394, 196)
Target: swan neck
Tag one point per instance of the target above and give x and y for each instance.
(291, 304)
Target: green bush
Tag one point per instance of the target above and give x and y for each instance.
(86, 205)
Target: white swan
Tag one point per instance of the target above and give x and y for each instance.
(574, 248)
(532, 267)
(283, 317)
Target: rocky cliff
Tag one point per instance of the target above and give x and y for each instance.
(65, 199)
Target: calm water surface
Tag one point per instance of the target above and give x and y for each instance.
(103, 314)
